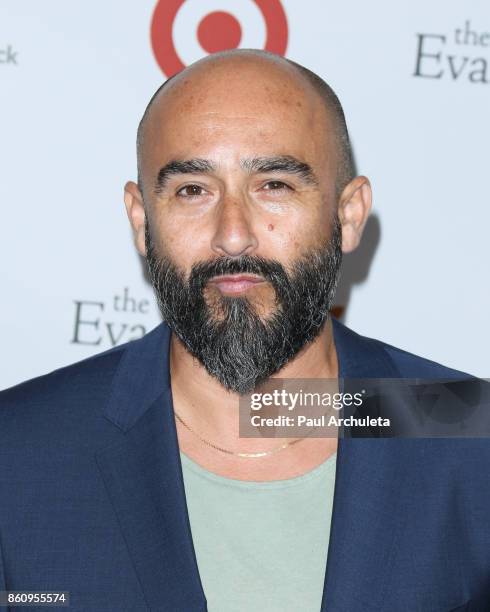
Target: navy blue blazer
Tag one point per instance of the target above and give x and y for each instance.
(92, 499)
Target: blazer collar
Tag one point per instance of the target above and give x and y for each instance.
(368, 496)
(143, 477)
(142, 473)
(361, 357)
(143, 375)
(144, 372)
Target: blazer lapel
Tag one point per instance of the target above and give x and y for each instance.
(143, 478)
(368, 501)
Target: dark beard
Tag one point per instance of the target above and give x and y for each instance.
(228, 336)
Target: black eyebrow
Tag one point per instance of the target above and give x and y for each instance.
(281, 163)
(188, 166)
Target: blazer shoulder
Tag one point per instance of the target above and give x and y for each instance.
(54, 423)
(373, 357)
(415, 366)
(87, 381)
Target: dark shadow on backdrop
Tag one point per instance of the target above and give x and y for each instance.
(356, 266)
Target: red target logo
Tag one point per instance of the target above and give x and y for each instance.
(183, 31)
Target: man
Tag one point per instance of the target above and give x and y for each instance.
(124, 479)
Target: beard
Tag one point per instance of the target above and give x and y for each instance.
(227, 335)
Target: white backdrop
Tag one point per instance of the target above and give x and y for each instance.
(75, 78)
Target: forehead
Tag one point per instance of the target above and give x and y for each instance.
(237, 109)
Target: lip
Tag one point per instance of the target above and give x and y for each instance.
(236, 283)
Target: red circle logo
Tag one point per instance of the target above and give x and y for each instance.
(217, 31)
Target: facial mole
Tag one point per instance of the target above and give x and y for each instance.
(270, 227)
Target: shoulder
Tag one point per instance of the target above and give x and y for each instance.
(83, 388)
(78, 388)
(92, 370)
(53, 423)
(367, 356)
(415, 366)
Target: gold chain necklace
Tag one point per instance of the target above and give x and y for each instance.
(229, 452)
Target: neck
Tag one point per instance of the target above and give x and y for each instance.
(212, 411)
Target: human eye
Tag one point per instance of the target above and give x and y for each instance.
(276, 186)
(191, 191)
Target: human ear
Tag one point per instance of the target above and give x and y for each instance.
(135, 209)
(354, 207)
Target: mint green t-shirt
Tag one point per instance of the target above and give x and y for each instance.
(261, 546)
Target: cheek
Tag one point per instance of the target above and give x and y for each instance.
(184, 245)
(288, 238)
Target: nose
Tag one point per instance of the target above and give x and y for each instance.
(234, 235)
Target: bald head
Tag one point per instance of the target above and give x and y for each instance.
(247, 67)
(245, 166)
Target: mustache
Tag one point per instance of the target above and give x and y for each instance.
(271, 270)
(227, 334)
